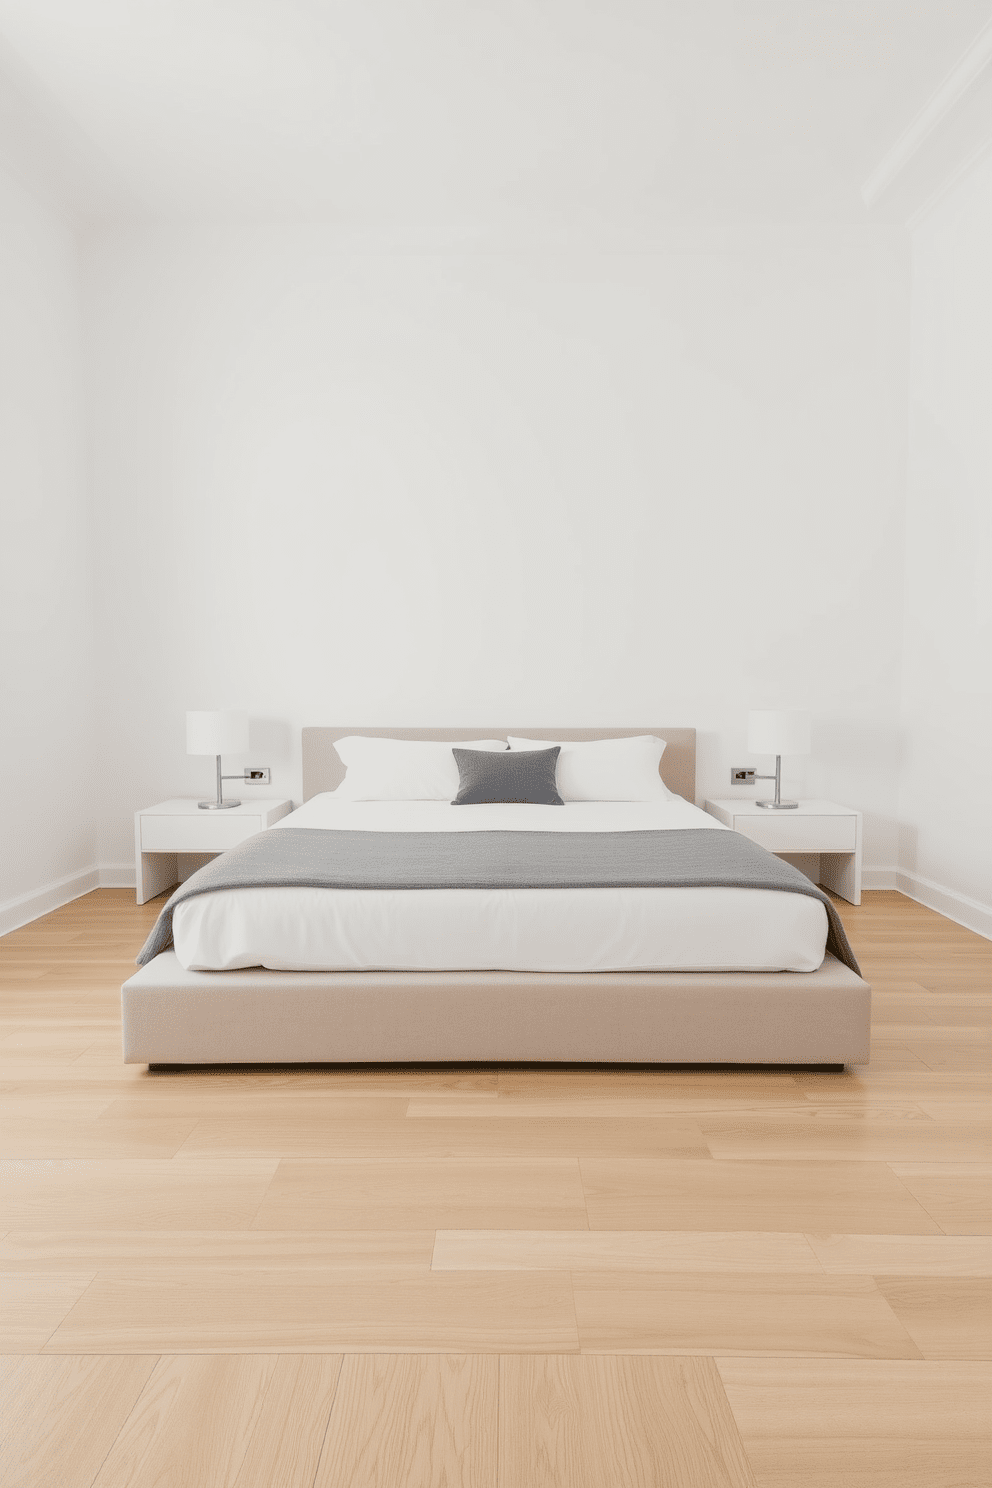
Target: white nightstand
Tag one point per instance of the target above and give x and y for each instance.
(173, 828)
(814, 827)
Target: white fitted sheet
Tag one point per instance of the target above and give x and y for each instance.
(567, 930)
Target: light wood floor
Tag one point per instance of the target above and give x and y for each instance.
(512, 1277)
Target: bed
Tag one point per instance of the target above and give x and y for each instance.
(575, 991)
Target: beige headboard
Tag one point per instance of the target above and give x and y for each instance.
(323, 770)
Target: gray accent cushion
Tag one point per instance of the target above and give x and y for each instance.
(525, 777)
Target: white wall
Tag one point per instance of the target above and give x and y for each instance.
(47, 792)
(945, 799)
(522, 486)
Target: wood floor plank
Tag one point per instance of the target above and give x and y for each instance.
(43, 1079)
(881, 964)
(890, 1010)
(547, 1137)
(875, 1136)
(413, 1421)
(396, 1082)
(570, 1082)
(329, 1081)
(686, 1105)
(73, 1105)
(130, 1250)
(285, 1447)
(935, 1033)
(33, 1305)
(242, 1311)
(911, 995)
(900, 1255)
(67, 1001)
(103, 1051)
(90, 1023)
(457, 1194)
(191, 1424)
(978, 1114)
(957, 1195)
(943, 941)
(829, 1316)
(62, 1416)
(830, 1423)
(255, 1103)
(134, 1194)
(67, 1135)
(56, 1045)
(612, 1250)
(953, 974)
(31, 936)
(959, 1056)
(947, 1317)
(283, 1081)
(873, 1085)
(584, 1422)
(861, 1197)
(886, 1054)
(957, 1012)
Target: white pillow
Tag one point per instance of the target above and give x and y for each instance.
(607, 769)
(402, 769)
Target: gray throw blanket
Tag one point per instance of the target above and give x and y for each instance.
(312, 857)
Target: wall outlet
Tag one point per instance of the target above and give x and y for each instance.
(742, 777)
(258, 777)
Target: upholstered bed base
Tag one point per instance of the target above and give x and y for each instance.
(173, 1016)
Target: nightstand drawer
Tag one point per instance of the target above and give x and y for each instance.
(209, 832)
(797, 834)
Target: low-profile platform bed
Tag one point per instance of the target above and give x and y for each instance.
(598, 931)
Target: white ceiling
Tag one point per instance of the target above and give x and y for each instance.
(372, 112)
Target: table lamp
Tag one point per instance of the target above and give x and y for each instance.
(217, 734)
(778, 732)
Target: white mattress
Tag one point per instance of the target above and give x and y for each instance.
(564, 930)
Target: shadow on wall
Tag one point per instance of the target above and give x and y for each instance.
(709, 753)
(909, 838)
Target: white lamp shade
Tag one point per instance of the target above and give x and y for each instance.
(778, 731)
(216, 733)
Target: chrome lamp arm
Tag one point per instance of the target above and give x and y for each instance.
(778, 804)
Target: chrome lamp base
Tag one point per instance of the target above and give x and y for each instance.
(220, 804)
(778, 804)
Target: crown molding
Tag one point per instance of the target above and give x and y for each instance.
(947, 97)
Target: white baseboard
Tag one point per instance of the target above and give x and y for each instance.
(970, 913)
(27, 907)
(879, 878)
(954, 906)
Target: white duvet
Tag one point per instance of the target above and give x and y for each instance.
(564, 930)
